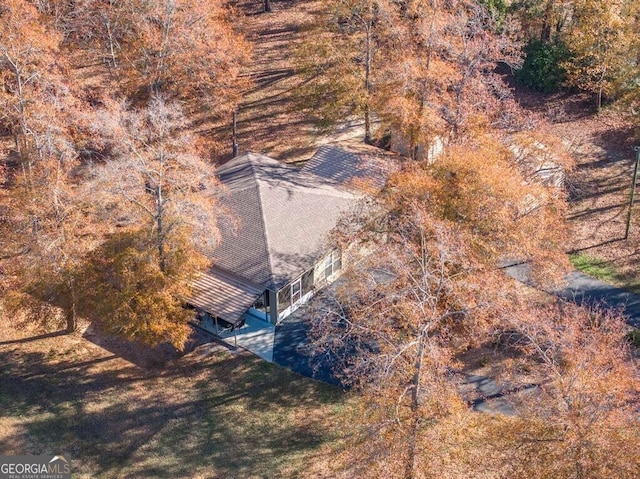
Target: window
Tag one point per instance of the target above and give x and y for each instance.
(329, 266)
(292, 293)
(336, 258)
(296, 291)
(307, 282)
(284, 298)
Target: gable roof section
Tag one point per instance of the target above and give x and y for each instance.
(283, 216)
(352, 165)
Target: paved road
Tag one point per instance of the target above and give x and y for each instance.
(584, 289)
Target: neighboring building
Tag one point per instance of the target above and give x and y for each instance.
(429, 151)
(537, 161)
(273, 252)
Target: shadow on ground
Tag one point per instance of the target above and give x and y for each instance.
(209, 415)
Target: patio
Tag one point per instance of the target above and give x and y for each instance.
(254, 335)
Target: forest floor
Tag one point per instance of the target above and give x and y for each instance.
(599, 186)
(270, 118)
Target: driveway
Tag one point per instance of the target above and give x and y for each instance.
(584, 289)
(290, 349)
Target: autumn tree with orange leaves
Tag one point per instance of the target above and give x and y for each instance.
(428, 288)
(422, 69)
(158, 193)
(187, 49)
(438, 77)
(579, 419)
(43, 215)
(599, 43)
(341, 60)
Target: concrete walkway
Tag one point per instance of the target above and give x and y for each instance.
(255, 336)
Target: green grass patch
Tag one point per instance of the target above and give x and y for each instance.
(593, 266)
(604, 271)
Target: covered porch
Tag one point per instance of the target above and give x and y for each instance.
(225, 308)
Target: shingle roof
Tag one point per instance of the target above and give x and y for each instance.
(283, 216)
(350, 165)
(223, 295)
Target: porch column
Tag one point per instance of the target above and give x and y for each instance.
(273, 306)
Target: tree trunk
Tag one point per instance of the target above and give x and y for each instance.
(600, 92)
(367, 124)
(599, 99)
(161, 253)
(162, 52)
(72, 319)
(410, 467)
(545, 31)
(367, 85)
(162, 262)
(112, 41)
(71, 315)
(235, 133)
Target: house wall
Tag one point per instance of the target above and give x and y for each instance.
(319, 281)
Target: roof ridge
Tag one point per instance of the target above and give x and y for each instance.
(334, 190)
(264, 220)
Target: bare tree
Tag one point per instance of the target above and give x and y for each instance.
(154, 177)
(395, 325)
(582, 420)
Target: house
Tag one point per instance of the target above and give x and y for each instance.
(274, 251)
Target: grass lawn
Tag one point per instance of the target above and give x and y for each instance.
(605, 271)
(213, 413)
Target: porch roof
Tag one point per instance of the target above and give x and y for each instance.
(223, 295)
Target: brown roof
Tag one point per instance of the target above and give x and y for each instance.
(223, 295)
(282, 215)
(282, 218)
